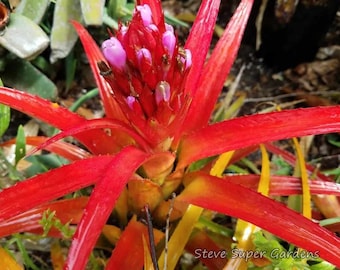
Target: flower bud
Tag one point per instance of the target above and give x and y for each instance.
(169, 27)
(114, 52)
(123, 30)
(130, 100)
(152, 27)
(143, 54)
(145, 12)
(162, 92)
(169, 42)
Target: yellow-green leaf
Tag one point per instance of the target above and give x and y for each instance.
(92, 11)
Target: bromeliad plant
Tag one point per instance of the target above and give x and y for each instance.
(158, 98)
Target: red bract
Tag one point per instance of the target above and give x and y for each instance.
(158, 98)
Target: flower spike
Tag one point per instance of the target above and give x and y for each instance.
(146, 64)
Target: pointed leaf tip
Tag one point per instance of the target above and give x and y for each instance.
(215, 72)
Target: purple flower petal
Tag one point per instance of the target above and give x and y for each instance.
(114, 52)
(169, 41)
(145, 12)
(130, 100)
(143, 54)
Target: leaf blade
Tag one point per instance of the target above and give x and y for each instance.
(237, 201)
(217, 69)
(225, 136)
(51, 185)
(101, 203)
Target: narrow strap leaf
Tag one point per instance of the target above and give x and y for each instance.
(306, 196)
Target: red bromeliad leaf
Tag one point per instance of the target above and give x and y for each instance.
(231, 199)
(217, 68)
(96, 141)
(101, 204)
(101, 124)
(51, 185)
(39, 107)
(279, 185)
(66, 150)
(199, 39)
(94, 55)
(255, 129)
(287, 185)
(130, 242)
(69, 210)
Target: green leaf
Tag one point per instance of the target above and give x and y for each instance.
(333, 139)
(20, 144)
(287, 259)
(33, 9)
(17, 238)
(23, 37)
(114, 8)
(9, 168)
(43, 163)
(63, 35)
(282, 167)
(5, 117)
(92, 11)
(329, 221)
(21, 74)
(70, 66)
(322, 266)
(50, 220)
